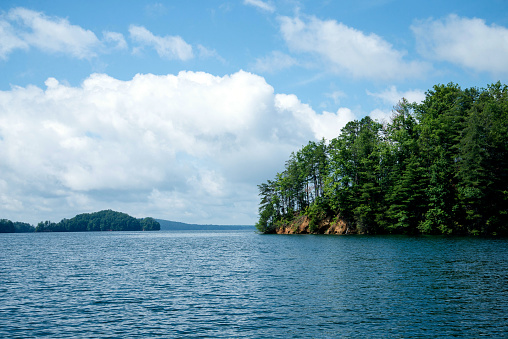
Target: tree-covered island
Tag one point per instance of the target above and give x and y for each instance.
(438, 167)
(106, 220)
(7, 226)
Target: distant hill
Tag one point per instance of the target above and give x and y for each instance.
(180, 226)
(106, 220)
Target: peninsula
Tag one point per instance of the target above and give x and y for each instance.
(437, 167)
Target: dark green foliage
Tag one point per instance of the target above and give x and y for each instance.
(294, 189)
(483, 175)
(356, 177)
(150, 224)
(23, 227)
(6, 226)
(404, 179)
(47, 226)
(316, 213)
(439, 167)
(106, 220)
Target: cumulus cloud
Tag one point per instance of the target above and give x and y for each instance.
(348, 50)
(170, 47)
(392, 96)
(53, 34)
(261, 5)
(326, 125)
(169, 146)
(470, 43)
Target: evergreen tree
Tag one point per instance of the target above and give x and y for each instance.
(6, 226)
(438, 167)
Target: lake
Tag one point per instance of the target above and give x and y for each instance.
(239, 284)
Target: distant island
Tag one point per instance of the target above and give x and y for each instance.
(7, 226)
(106, 220)
(167, 225)
(109, 220)
(437, 167)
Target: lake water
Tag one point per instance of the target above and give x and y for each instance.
(239, 284)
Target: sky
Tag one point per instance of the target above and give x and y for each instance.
(179, 109)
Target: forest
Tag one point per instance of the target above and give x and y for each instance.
(7, 226)
(106, 220)
(437, 167)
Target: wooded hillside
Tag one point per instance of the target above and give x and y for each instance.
(438, 167)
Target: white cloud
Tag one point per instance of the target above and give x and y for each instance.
(467, 42)
(275, 61)
(326, 125)
(190, 147)
(115, 38)
(22, 28)
(392, 96)
(261, 5)
(54, 35)
(9, 41)
(347, 50)
(170, 47)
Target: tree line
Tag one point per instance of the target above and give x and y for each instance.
(7, 226)
(106, 220)
(437, 167)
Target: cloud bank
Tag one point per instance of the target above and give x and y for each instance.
(171, 146)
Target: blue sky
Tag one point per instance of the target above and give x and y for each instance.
(178, 109)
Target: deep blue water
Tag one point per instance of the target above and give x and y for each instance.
(243, 285)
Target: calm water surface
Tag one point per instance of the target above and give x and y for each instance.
(244, 285)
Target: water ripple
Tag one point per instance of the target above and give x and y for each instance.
(244, 285)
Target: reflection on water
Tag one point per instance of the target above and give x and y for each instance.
(244, 285)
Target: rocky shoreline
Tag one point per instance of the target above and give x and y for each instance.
(301, 225)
